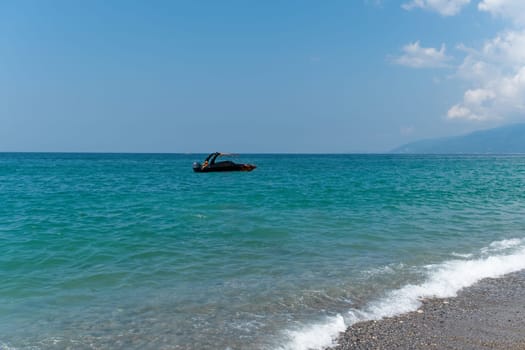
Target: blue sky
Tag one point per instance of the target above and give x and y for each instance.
(256, 76)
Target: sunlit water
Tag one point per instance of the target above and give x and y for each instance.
(137, 251)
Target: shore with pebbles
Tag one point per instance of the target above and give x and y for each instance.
(487, 315)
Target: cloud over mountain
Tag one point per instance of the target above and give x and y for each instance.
(495, 72)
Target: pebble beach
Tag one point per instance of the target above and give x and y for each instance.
(487, 315)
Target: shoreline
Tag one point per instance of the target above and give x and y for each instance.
(487, 315)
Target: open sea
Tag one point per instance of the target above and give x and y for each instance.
(135, 251)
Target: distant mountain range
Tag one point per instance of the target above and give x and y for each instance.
(506, 139)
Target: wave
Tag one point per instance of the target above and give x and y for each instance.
(461, 255)
(443, 280)
(502, 245)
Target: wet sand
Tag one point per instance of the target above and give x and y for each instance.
(488, 315)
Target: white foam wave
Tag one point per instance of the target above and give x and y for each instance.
(444, 280)
(316, 336)
(503, 245)
(460, 255)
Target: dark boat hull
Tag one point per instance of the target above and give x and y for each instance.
(222, 166)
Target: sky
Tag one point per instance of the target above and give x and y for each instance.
(251, 76)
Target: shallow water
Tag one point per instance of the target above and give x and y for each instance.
(137, 251)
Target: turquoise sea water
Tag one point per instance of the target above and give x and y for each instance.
(128, 251)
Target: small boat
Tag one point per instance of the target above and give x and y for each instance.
(210, 164)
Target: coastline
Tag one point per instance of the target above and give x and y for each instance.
(487, 315)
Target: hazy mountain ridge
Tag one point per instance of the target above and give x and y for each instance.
(505, 139)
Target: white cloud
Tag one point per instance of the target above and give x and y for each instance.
(512, 9)
(461, 112)
(478, 96)
(497, 74)
(443, 7)
(475, 106)
(416, 56)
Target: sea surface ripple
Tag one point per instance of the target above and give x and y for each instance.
(137, 251)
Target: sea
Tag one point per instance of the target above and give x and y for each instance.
(136, 251)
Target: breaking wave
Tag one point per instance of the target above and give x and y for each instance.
(443, 280)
